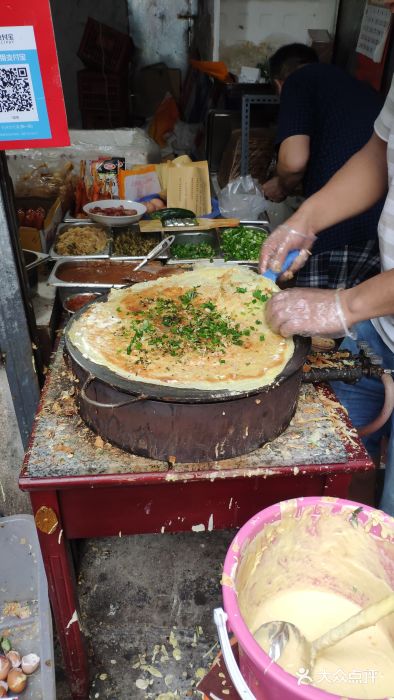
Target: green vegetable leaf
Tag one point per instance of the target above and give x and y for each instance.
(5, 644)
(258, 294)
(187, 297)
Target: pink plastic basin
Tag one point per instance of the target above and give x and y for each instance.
(265, 679)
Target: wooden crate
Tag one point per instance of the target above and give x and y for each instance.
(104, 47)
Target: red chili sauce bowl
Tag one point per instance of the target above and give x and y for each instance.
(76, 301)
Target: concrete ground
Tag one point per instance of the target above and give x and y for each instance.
(147, 605)
(146, 601)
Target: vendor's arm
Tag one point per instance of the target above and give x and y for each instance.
(359, 184)
(293, 158)
(330, 312)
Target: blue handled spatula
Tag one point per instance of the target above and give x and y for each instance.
(271, 275)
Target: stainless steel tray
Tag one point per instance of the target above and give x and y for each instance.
(85, 224)
(213, 236)
(195, 237)
(158, 237)
(247, 224)
(69, 219)
(85, 284)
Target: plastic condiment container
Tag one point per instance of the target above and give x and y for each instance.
(25, 615)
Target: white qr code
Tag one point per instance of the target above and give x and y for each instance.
(17, 102)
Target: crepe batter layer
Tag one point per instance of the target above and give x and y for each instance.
(204, 329)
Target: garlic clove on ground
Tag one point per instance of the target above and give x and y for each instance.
(5, 666)
(3, 689)
(30, 663)
(16, 680)
(14, 657)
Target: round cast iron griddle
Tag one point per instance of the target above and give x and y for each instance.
(185, 425)
(175, 394)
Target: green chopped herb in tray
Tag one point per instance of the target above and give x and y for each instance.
(191, 251)
(242, 242)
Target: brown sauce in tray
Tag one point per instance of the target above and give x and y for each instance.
(111, 272)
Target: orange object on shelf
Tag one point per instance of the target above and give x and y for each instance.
(164, 120)
(216, 69)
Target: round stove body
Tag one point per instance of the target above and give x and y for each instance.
(183, 425)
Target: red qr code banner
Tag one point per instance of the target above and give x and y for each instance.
(32, 111)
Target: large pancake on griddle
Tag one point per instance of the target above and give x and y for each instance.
(203, 329)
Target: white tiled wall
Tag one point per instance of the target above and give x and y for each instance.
(274, 21)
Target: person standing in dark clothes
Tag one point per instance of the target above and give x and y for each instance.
(325, 117)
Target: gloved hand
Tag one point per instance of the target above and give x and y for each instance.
(308, 312)
(279, 243)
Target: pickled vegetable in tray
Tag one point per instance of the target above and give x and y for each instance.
(131, 243)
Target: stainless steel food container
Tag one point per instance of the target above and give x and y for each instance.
(69, 219)
(82, 224)
(193, 238)
(265, 225)
(66, 288)
(132, 229)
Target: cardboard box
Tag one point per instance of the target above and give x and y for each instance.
(249, 75)
(152, 84)
(30, 238)
(33, 238)
(322, 42)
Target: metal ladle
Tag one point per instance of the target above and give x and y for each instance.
(286, 645)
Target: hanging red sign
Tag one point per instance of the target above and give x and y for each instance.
(32, 111)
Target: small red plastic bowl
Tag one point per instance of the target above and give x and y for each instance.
(76, 301)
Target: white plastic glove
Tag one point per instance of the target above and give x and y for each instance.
(308, 312)
(279, 243)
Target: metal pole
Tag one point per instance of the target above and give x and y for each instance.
(247, 101)
(16, 350)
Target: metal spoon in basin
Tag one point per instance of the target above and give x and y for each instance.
(285, 644)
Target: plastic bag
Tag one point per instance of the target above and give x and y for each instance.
(242, 198)
(40, 172)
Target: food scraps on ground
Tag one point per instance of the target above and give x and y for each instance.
(15, 669)
(81, 240)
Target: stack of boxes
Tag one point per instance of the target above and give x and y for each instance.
(103, 86)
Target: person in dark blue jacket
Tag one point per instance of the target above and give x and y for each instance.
(325, 117)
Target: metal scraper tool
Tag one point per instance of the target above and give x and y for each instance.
(157, 250)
